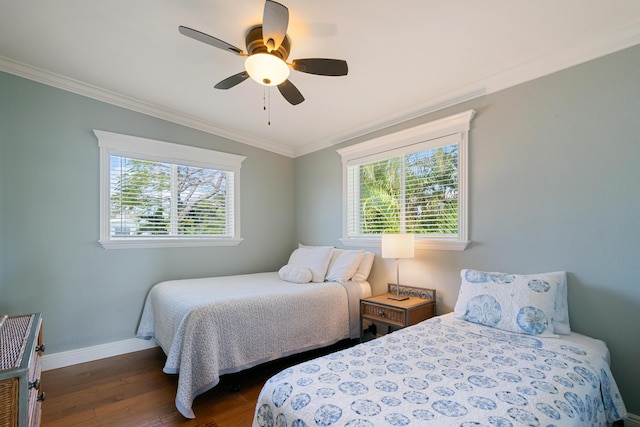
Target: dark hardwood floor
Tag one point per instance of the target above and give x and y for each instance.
(132, 390)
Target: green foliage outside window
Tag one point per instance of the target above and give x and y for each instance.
(416, 193)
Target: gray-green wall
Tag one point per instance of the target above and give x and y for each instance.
(50, 259)
(554, 182)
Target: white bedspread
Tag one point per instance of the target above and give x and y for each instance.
(213, 326)
(448, 372)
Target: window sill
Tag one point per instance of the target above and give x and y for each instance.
(166, 243)
(430, 244)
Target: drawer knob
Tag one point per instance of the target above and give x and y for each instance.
(42, 397)
(35, 384)
(40, 347)
(381, 313)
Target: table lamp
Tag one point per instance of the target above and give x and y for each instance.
(397, 246)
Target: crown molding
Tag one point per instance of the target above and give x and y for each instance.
(94, 92)
(611, 42)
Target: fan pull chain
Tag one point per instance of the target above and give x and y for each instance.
(269, 109)
(266, 103)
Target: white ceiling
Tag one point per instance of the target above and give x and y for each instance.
(405, 57)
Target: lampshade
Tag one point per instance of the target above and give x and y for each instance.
(266, 69)
(397, 245)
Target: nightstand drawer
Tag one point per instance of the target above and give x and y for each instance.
(386, 314)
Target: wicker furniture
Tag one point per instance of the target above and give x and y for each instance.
(420, 305)
(20, 352)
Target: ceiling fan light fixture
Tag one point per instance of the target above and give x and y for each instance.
(267, 69)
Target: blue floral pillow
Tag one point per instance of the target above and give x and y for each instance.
(511, 302)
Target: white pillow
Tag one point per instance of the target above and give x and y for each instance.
(343, 265)
(362, 273)
(511, 302)
(315, 258)
(295, 274)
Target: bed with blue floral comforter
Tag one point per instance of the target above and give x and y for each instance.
(448, 372)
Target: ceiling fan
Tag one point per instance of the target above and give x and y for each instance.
(267, 51)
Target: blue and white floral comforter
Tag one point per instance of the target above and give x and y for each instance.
(448, 372)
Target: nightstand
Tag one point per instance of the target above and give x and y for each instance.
(421, 305)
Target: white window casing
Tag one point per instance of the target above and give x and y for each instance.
(449, 131)
(170, 156)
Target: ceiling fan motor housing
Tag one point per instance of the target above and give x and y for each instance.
(255, 44)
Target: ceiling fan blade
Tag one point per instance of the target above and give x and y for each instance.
(321, 66)
(290, 92)
(275, 21)
(210, 40)
(230, 82)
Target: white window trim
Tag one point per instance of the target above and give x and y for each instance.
(457, 124)
(149, 149)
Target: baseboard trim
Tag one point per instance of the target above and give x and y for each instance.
(632, 421)
(96, 352)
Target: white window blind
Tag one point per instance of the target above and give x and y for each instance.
(410, 182)
(415, 193)
(160, 194)
(167, 199)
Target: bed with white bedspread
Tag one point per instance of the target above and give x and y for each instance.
(213, 326)
(461, 369)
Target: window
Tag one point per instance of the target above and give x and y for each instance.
(412, 181)
(155, 194)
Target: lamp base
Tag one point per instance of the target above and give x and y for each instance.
(398, 296)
